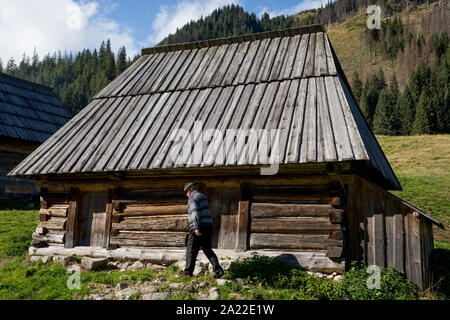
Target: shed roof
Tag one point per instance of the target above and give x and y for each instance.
(29, 111)
(288, 80)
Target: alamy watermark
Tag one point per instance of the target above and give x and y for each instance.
(374, 19)
(74, 280)
(374, 280)
(230, 147)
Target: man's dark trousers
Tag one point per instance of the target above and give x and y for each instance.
(194, 243)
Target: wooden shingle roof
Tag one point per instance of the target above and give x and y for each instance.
(288, 80)
(29, 111)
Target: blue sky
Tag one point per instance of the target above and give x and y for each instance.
(72, 25)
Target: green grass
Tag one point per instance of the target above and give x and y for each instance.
(422, 165)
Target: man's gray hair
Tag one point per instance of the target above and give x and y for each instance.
(190, 186)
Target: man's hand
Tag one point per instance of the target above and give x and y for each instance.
(197, 232)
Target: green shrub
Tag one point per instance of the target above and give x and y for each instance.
(440, 269)
(393, 286)
(259, 269)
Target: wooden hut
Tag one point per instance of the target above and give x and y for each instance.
(29, 114)
(112, 177)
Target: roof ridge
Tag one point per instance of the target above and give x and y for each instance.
(235, 39)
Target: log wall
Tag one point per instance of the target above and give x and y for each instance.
(384, 231)
(148, 218)
(297, 218)
(51, 229)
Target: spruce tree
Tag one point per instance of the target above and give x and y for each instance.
(406, 111)
(383, 120)
(422, 122)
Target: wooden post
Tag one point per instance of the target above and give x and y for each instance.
(109, 209)
(72, 217)
(242, 244)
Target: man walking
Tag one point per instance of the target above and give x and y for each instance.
(200, 230)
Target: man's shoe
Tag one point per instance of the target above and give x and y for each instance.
(219, 274)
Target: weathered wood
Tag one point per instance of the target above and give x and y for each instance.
(143, 210)
(54, 224)
(228, 232)
(43, 216)
(72, 218)
(312, 197)
(414, 249)
(49, 237)
(293, 225)
(92, 219)
(334, 252)
(149, 196)
(335, 201)
(243, 225)
(336, 216)
(108, 226)
(55, 212)
(291, 241)
(427, 246)
(266, 210)
(310, 260)
(380, 239)
(41, 230)
(149, 239)
(153, 223)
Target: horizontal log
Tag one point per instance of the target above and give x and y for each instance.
(149, 239)
(41, 230)
(296, 224)
(153, 223)
(265, 210)
(310, 260)
(336, 216)
(54, 224)
(290, 241)
(275, 196)
(149, 196)
(334, 252)
(49, 237)
(143, 210)
(55, 212)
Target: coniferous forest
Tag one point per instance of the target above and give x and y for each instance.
(415, 100)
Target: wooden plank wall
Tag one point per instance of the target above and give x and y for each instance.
(51, 229)
(297, 219)
(148, 218)
(384, 231)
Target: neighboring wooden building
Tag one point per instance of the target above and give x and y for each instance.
(112, 177)
(29, 114)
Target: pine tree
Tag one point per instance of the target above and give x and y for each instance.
(423, 119)
(121, 63)
(1, 65)
(383, 120)
(406, 111)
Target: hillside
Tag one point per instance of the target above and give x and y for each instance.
(352, 47)
(421, 164)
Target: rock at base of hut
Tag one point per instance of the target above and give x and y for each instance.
(93, 264)
(214, 294)
(126, 294)
(136, 266)
(156, 296)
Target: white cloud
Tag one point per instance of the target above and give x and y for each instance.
(169, 18)
(52, 25)
(304, 5)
